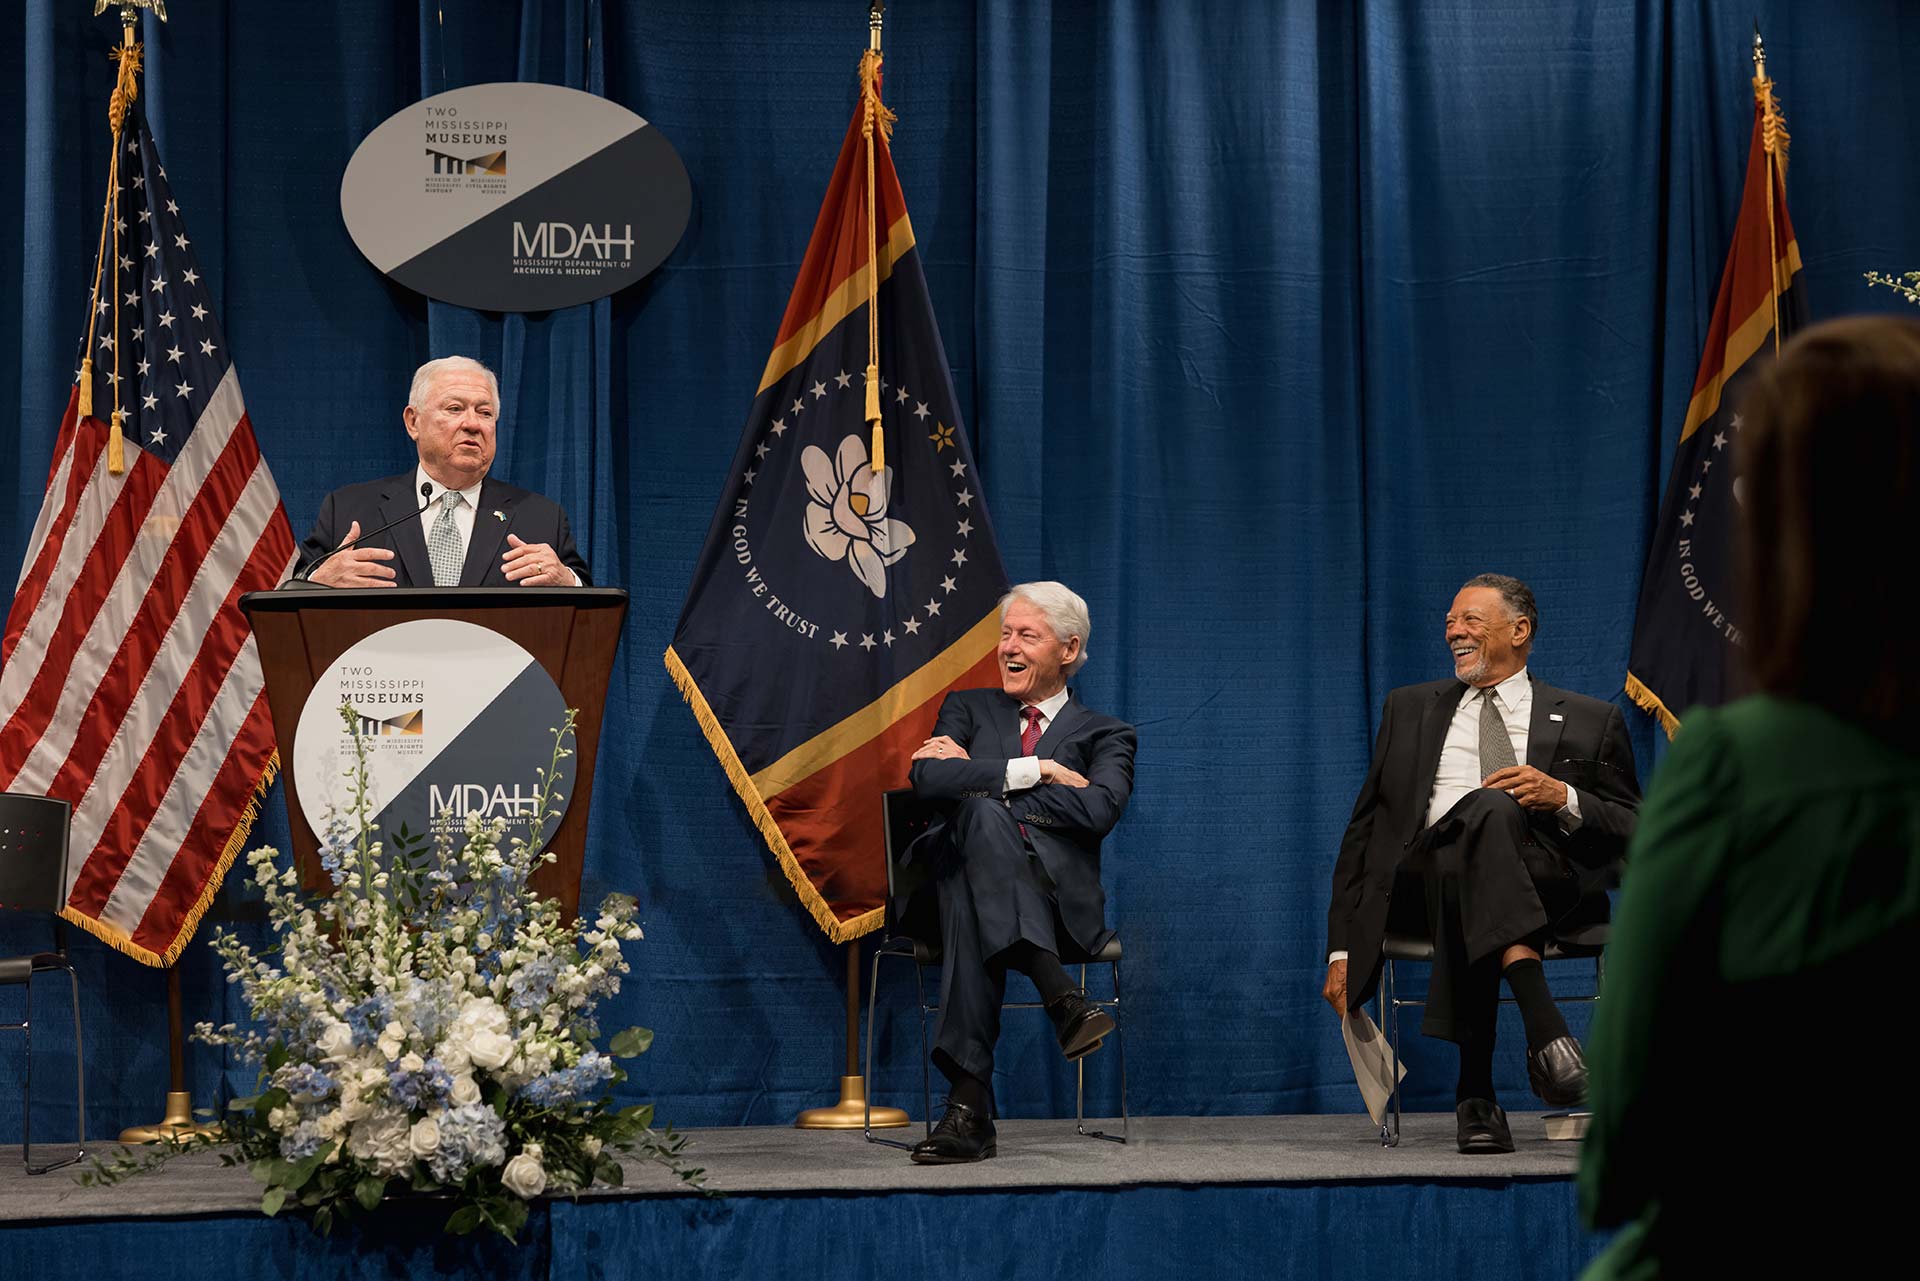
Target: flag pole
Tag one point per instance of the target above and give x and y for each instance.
(177, 1120)
(851, 1112)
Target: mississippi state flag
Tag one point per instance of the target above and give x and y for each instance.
(131, 687)
(833, 606)
(1689, 622)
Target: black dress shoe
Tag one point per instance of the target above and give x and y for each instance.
(1483, 1127)
(1078, 1023)
(1558, 1072)
(963, 1135)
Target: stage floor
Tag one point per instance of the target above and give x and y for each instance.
(759, 1160)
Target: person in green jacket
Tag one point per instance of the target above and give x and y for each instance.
(1745, 1082)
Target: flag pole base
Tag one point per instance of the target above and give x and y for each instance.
(178, 1123)
(850, 1113)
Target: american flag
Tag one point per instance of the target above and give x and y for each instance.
(131, 686)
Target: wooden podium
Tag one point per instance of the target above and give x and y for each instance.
(572, 632)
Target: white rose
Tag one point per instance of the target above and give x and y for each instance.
(465, 1091)
(524, 1176)
(283, 1119)
(392, 1039)
(336, 1043)
(412, 1062)
(490, 1049)
(424, 1138)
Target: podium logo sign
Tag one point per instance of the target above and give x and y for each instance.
(457, 720)
(515, 197)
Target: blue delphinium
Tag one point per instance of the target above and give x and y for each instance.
(304, 1079)
(568, 1084)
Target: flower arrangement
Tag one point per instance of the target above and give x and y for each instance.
(429, 1027)
(1907, 286)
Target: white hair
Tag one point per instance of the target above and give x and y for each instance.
(1063, 609)
(423, 379)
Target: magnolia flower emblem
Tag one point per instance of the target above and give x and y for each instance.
(847, 512)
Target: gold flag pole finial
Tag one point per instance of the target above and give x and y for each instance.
(874, 115)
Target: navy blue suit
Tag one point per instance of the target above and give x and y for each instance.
(1018, 867)
(504, 509)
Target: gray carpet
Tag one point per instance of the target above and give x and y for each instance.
(778, 1159)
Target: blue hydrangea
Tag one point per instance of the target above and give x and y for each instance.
(300, 1142)
(431, 1084)
(568, 1084)
(369, 1018)
(471, 1136)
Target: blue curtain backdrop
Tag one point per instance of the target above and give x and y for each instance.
(1272, 323)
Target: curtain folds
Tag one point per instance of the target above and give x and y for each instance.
(1272, 324)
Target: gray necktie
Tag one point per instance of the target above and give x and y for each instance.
(443, 542)
(1496, 749)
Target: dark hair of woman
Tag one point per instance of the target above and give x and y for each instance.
(1828, 458)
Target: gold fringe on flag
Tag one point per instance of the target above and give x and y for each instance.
(837, 930)
(122, 942)
(1649, 702)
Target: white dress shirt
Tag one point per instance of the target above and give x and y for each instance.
(1024, 771)
(1460, 771)
(463, 516)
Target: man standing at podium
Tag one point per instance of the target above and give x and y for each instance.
(446, 523)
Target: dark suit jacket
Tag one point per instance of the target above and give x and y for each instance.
(1064, 824)
(536, 519)
(1587, 749)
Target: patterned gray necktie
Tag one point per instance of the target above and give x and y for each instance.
(443, 541)
(1496, 749)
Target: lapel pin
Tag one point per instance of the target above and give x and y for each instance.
(1552, 716)
(500, 515)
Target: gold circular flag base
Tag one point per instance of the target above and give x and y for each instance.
(178, 1123)
(850, 1113)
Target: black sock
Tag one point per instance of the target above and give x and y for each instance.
(1042, 966)
(971, 1091)
(1476, 1070)
(1528, 980)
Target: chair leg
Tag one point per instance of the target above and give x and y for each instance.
(1120, 1047)
(926, 1053)
(1390, 1029)
(873, 992)
(26, 1091)
(26, 1127)
(79, 1067)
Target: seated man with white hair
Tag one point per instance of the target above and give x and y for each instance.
(447, 523)
(1034, 779)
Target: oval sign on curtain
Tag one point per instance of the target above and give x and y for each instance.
(515, 197)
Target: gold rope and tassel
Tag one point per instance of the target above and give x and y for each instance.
(873, 113)
(1773, 140)
(126, 88)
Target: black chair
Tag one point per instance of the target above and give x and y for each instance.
(33, 878)
(917, 938)
(1572, 942)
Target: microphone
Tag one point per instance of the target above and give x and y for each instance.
(305, 577)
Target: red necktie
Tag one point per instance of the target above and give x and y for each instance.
(1030, 735)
